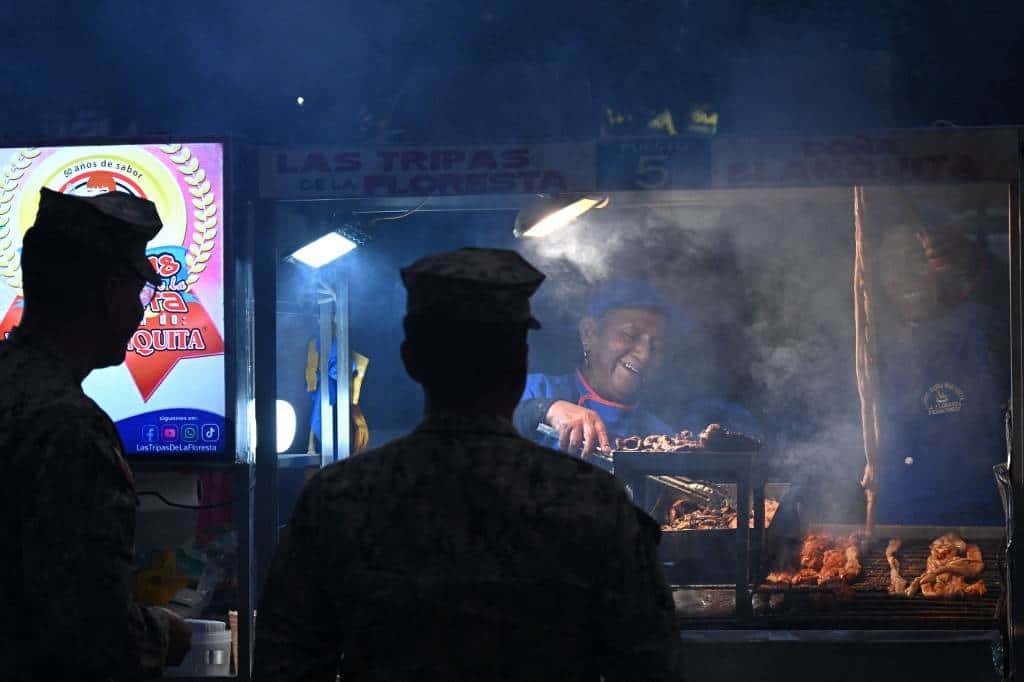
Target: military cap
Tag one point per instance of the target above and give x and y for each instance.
(472, 285)
(115, 224)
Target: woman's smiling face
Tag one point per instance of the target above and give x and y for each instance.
(624, 348)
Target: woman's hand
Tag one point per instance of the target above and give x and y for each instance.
(577, 426)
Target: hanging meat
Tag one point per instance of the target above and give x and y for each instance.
(866, 348)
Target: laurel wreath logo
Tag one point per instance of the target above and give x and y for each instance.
(204, 237)
(10, 265)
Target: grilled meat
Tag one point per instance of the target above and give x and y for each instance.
(851, 568)
(806, 576)
(831, 566)
(826, 562)
(975, 589)
(951, 562)
(840, 565)
(629, 443)
(897, 584)
(689, 514)
(813, 551)
(713, 437)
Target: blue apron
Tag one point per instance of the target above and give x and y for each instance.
(941, 426)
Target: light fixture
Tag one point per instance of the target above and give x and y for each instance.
(323, 250)
(551, 215)
(300, 100)
(286, 424)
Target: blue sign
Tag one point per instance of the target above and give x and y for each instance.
(654, 163)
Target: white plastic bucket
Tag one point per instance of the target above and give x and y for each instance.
(210, 655)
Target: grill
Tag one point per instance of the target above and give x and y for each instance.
(872, 607)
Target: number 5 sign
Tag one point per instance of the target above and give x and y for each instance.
(654, 164)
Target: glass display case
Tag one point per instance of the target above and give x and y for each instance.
(849, 305)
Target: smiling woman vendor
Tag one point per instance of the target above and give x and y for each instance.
(622, 334)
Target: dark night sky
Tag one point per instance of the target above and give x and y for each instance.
(386, 70)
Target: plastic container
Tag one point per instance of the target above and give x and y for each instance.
(211, 651)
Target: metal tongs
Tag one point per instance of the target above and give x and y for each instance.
(708, 494)
(601, 458)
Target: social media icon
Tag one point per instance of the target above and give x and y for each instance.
(169, 434)
(211, 433)
(190, 433)
(150, 433)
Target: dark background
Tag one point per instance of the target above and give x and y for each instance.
(503, 69)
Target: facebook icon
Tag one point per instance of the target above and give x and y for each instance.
(149, 433)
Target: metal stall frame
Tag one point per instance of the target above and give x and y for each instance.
(333, 323)
(1015, 562)
(721, 166)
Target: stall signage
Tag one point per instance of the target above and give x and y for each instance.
(653, 163)
(331, 172)
(173, 373)
(912, 157)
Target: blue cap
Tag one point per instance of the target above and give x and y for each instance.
(635, 293)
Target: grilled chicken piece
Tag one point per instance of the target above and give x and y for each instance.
(831, 566)
(948, 586)
(950, 563)
(948, 546)
(806, 576)
(977, 589)
(851, 566)
(710, 431)
(628, 443)
(897, 584)
(813, 551)
(840, 565)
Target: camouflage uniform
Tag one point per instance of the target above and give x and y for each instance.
(68, 521)
(67, 517)
(465, 552)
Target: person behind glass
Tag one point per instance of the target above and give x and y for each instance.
(463, 551)
(941, 420)
(622, 339)
(68, 509)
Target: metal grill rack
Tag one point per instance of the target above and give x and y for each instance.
(716, 467)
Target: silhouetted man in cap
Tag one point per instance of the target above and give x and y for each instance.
(67, 514)
(463, 551)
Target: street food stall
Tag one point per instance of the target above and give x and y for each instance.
(819, 414)
(806, 353)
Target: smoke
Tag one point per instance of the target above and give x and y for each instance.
(767, 286)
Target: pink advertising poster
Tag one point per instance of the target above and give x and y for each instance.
(167, 398)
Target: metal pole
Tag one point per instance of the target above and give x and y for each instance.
(242, 394)
(328, 452)
(1015, 569)
(246, 583)
(743, 606)
(265, 290)
(343, 397)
